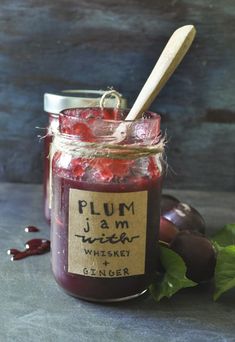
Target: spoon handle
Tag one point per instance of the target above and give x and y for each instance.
(170, 58)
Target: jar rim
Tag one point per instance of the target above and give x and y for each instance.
(86, 129)
(149, 115)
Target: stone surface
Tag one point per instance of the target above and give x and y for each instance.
(46, 46)
(34, 308)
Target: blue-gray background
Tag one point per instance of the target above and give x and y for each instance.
(50, 45)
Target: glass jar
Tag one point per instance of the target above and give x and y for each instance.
(106, 185)
(53, 105)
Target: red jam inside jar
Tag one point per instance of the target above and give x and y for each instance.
(106, 204)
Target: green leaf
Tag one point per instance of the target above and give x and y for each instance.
(224, 271)
(226, 236)
(174, 278)
(217, 247)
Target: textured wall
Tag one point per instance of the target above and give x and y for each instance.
(49, 45)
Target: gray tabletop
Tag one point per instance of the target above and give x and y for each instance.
(34, 308)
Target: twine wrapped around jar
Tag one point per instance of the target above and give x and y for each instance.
(80, 149)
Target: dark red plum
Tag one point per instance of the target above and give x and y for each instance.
(167, 230)
(186, 217)
(198, 254)
(168, 202)
(178, 216)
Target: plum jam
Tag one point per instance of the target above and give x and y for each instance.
(106, 183)
(53, 105)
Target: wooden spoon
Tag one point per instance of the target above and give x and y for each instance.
(170, 58)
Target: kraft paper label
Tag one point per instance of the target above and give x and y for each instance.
(107, 233)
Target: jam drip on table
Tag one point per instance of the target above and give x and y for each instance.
(31, 229)
(32, 247)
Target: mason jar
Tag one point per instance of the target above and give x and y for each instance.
(106, 183)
